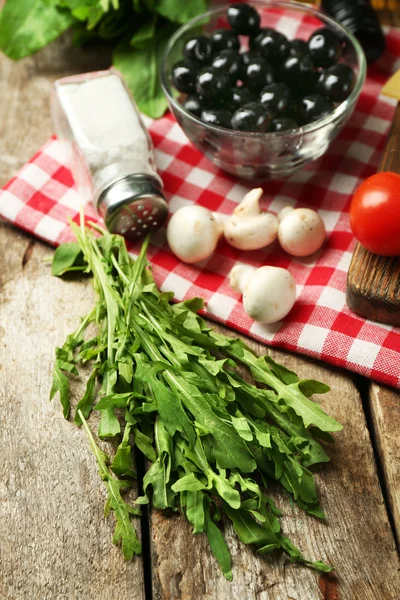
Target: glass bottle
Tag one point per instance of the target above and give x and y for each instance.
(110, 151)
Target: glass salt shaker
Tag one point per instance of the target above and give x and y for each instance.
(110, 151)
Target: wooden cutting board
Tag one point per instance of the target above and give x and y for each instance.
(373, 282)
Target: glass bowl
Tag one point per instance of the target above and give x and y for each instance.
(257, 155)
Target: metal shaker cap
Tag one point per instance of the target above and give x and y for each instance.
(133, 206)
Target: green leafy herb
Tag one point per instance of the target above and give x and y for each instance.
(25, 27)
(170, 389)
(67, 257)
(138, 30)
(124, 530)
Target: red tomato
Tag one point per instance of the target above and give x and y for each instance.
(375, 214)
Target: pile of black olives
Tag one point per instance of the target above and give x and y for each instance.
(275, 85)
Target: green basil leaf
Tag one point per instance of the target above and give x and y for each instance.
(140, 69)
(26, 27)
(145, 35)
(180, 11)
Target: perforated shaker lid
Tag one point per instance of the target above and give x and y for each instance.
(133, 206)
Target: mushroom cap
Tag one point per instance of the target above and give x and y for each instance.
(251, 233)
(301, 232)
(269, 295)
(192, 233)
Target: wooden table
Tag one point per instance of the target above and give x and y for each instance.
(55, 543)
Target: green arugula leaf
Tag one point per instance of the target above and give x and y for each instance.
(218, 546)
(85, 404)
(122, 464)
(188, 483)
(191, 412)
(229, 449)
(249, 531)
(60, 384)
(309, 411)
(143, 442)
(243, 428)
(124, 530)
(195, 510)
(67, 257)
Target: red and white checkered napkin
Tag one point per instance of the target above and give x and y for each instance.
(41, 197)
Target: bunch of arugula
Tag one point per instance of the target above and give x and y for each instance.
(137, 30)
(172, 388)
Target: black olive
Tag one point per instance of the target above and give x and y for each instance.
(257, 74)
(229, 61)
(248, 56)
(283, 124)
(336, 82)
(193, 104)
(314, 107)
(224, 39)
(239, 96)
(251, 117)
(184, 73)
(299, 74)
(324, 47)
(212, 83)
(219, 118)
(276, 97)
(244, 19)
(298, 47)
(271, 44)
(198, 48)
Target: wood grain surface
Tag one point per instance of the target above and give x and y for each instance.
(385, 411)
(54, 542)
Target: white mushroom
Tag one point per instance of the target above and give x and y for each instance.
(269, 293)
(249, 228)
(301, 231)
(193, 233)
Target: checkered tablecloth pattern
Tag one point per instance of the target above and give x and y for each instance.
(41, 197)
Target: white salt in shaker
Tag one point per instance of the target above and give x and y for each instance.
(111, 152)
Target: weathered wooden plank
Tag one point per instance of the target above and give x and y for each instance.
(356, 539)
(54, 540)
(385, 411)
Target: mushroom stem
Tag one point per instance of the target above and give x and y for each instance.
(268, 292)
(250, 205)
(250, 228)
(239, 277)
(220, 222)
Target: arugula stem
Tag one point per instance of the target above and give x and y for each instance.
(203, 427)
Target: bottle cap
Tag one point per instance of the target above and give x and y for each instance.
(133, 206)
